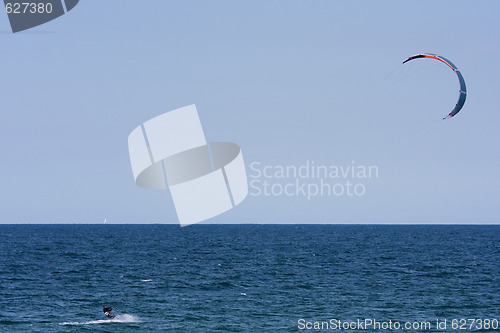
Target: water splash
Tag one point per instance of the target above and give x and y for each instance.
(125, 318)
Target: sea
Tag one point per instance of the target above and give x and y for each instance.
(250, 278)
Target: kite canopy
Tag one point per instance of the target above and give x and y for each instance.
(462, 91)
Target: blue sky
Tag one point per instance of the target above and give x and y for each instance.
(289, 81)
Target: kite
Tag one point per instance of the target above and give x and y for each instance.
(25, 15)
(462, 91)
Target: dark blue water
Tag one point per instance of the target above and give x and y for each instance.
(244, 278)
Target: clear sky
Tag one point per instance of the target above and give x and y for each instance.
(289, 81)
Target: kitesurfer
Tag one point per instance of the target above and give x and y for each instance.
(107, 311)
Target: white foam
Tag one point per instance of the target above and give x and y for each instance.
(125, 318)
(146, 280)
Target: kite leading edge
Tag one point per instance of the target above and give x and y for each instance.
(463, 90)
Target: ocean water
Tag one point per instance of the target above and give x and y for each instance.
(246, 278)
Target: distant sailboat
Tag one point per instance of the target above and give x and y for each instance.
(104, 221)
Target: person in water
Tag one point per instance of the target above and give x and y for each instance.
(107, 311)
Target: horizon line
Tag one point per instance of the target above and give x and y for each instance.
(256, 223)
